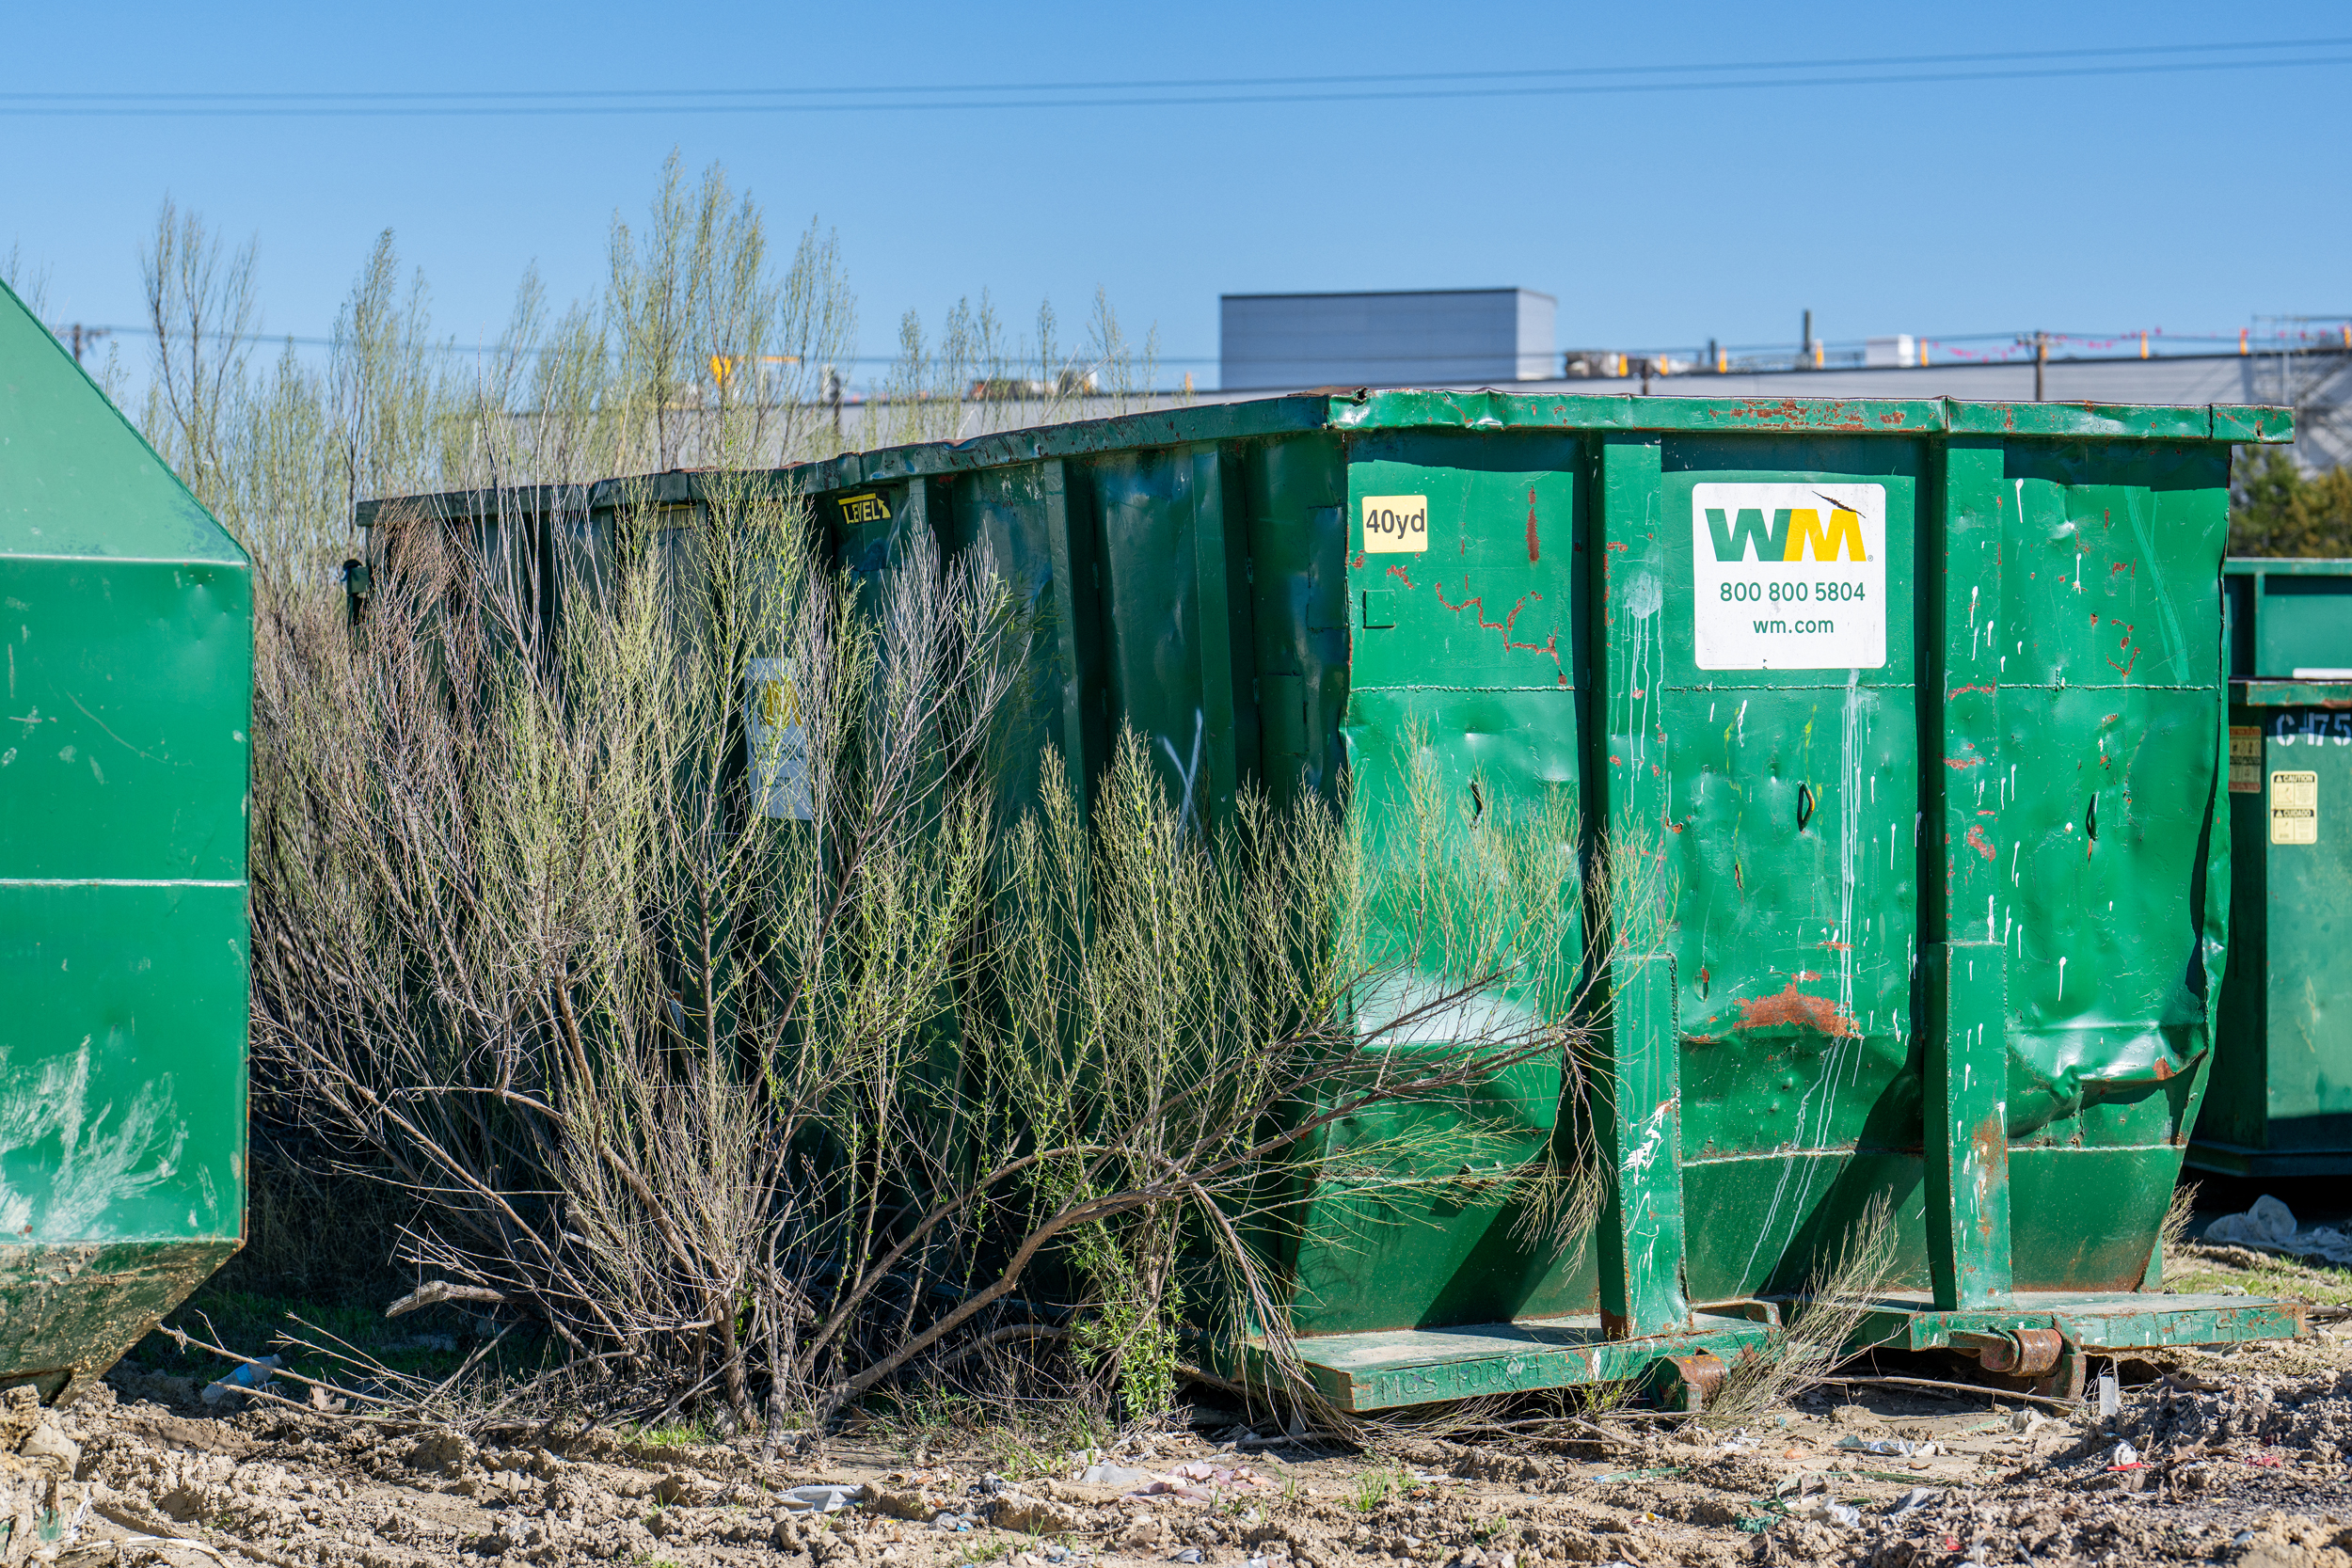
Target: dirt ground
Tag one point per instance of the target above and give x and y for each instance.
(2238, 1456)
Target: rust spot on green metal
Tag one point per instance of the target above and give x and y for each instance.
(1794, 1008)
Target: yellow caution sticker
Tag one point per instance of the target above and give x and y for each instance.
(867, 508)
(2294, 807)
(1396, 524)
(2246, 759)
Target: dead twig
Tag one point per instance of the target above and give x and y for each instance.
(181, 1338)
(435, 1292)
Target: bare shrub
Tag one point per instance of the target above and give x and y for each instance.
(1799, 1354)
(771, 1064)
(778, 1106)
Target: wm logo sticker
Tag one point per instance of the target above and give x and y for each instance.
(1788, 576)
(1795, 533)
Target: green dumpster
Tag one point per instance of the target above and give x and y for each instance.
(1915, 709)
(126, 660)
(2280, 1104)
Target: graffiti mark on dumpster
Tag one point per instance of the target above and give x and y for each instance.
(98, 1164)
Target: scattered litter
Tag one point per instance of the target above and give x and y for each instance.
(1121, 1476)
(823, 1498)
(2124, 1457)
(1190, 1554)
(1913, 1502)
(1894, 1447)
(2024, 1423)
(2269, 1457)
(2270, 1227)
(170, 1543)
(2110, 1397)
(47, 1442)
(1200, 1481)
(249, 1376)
(1828, 1511)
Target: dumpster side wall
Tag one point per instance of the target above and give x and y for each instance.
(126, 663)
(1894, 730)
(1234, 610)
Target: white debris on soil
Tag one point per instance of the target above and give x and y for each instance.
(2270, 1226)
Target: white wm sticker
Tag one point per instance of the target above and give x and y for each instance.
(1788, 576)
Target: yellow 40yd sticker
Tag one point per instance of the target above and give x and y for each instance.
(1788, 576)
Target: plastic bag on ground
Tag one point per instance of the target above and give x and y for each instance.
(1121, 1476)
(2271, 1224)
(1914, 1500)
(247, 1377)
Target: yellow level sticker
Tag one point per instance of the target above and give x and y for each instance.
(1395, 524)
(2246, 759)
(867, 508)
(2294, 807)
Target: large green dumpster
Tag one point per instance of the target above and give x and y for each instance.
(126, 662)
(2282, 1098)
(1914, 712)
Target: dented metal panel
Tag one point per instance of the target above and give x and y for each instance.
(1899, 723)
(126, 668)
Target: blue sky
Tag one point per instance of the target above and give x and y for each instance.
(2185, 201)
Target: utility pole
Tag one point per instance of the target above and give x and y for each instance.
(1804, 343)
(2040, 359)
(79, 334)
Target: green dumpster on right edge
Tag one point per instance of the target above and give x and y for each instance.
(2280, 1104)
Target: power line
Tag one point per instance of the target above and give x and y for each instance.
(1694, 77)
(1158, 83)
(2158, 335)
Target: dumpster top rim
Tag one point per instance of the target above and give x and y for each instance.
(2287, 565)
(1408, 408)
(1364, 410)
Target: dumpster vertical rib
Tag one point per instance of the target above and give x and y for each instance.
(1965, 1062)
(1214, 572)
(1077, 601)
(1638, 1111)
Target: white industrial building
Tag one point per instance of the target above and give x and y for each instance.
(1422, 338)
